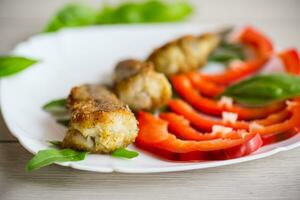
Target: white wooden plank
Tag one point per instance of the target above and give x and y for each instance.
(212, 9)
(276, 177)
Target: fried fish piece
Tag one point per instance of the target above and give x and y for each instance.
(140, 87)
(184, 54)
(100, 123)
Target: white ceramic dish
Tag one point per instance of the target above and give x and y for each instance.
(76, 56)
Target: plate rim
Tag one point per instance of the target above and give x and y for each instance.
(112, 168)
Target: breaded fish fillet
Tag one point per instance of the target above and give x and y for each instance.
(184, 54)
(140, 87)
(100, 123)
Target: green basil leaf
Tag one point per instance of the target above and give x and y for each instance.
(129, 13)
(10, 65)
(56, 143)
(157, 11)
(56, 106)
(64, 122)
(72, 15)
(76, 15)
(124, 153)
(106, 15)
(149, 11)
(227, 52)
(264, 89)
(50, 156)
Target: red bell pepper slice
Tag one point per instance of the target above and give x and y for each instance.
(180, 127)
(244, 149)
(175, 149)
(275, 118)
(248, 147)
(291, 61)
(259, 42)
(206, 87)
(173, 144)
(198, 120)
(293, 121)
(148, 122)
(276, 123)
(184, 87)
(270, 139)
(236, 73)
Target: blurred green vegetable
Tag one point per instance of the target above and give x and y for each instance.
(156, 11)
(64, 122)
(75, 15)
(149, 11)
(72, 15)
(10, 65)
(263, 89)
(227, 52)
(56, 106)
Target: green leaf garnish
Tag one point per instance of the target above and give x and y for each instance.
(227, 52)
(64, 122)
(50, 156)
(72, 15)
(56, 106)
(10, 65)
(264, 89)
(77, 15)
(56, 143)
(157, 11)
(124, 153)
(149, 11)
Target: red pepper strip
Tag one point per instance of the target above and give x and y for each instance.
(270, 139)
(176, 149)
(263, 48)
(237, 72)
(274, 129)
(274, 124)
(258, 41)
(148, 122)
(291, 61)
(198, 120)
(244, 149)
(274, 118)
(248, 147)
(179, 126)
(183, 86)
(206, 88)
(173, 144)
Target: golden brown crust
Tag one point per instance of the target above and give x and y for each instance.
(128, 68)
(184, 54)
(99, 121)
(101, 97)
(145, 90)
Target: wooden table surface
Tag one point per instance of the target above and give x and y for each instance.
(275, 177)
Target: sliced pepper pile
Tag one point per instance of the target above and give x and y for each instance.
(193, 129)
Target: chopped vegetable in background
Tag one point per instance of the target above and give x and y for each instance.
(77, 15)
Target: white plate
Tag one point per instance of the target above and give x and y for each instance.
(77, 56)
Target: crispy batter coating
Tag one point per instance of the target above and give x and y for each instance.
(100, 123)
(144, 89)
(184, 54)
(128, 68)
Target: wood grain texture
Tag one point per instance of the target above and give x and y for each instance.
(269, 178)
(275, 177)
